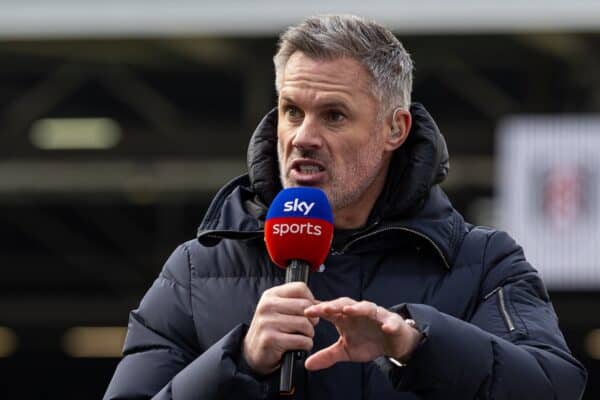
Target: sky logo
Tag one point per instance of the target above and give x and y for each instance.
(298, 206)
(301, 202)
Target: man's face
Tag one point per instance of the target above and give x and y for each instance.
(329, 133)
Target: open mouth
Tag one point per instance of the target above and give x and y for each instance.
(307, 171)
(307, 166)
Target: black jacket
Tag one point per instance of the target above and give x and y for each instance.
(489, 327)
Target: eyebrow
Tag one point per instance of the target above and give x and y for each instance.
(334, 104)
(326, 104)
(286, 100)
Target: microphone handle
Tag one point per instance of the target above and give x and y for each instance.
(297, 271)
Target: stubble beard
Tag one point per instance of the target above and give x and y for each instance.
(362, 172)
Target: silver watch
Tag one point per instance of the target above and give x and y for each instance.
(411, 323)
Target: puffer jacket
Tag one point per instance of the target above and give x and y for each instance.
(490, 331)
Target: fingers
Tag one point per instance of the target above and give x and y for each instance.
(282, 305)
(283, 342)
(390, 321)
(366, 330)
(366, 309)
(263, 351)
(279, 325)
(274, 300)
(344, 306)
(327, 357)
(328, 308)
(291, 290)
(288, 324)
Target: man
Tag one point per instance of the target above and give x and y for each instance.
(413, 302)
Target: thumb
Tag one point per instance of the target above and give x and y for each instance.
(326, 357)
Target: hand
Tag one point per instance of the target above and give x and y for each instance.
(279, 325)
(366, 330)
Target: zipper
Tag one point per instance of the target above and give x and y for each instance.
(502, 305)
(398, 228)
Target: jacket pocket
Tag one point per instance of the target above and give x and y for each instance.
(502, 308)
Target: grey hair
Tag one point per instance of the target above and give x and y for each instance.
(374, 46)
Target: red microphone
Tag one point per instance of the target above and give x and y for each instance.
(298, 234)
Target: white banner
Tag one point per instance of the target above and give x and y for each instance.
(549, 186)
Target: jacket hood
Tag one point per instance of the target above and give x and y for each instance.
(421, 162)
(410, 197)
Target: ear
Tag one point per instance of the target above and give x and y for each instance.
(400, 127)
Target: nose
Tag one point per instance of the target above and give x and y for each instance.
(307, 135)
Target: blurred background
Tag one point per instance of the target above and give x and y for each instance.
(119, 120)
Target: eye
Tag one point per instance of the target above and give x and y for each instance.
(292, 112)
(334, 116)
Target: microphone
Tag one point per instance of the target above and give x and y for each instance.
(298, 234)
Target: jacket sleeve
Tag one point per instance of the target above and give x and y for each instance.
(511, 348)
(162, 358)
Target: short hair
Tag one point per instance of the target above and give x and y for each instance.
(374, 46)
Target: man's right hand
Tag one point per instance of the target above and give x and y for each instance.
(279, 325)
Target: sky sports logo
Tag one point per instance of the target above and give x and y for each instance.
(299, 226)
(295, 228)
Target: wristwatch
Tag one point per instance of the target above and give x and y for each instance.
(397, 363)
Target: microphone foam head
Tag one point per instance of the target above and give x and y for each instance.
(299, 226)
